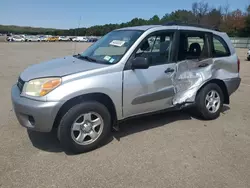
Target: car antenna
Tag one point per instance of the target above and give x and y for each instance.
(76, 33)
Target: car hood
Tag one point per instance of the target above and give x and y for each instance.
(59, 67)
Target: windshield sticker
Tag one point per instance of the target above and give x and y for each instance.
(111, 60)
(117, 43)
(107, 58)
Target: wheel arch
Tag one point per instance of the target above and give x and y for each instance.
(99, 97)
(223, 87)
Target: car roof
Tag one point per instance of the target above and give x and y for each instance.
(142, 27)
(164, 27)
(183, 27)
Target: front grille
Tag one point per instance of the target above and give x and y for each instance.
(20, 84)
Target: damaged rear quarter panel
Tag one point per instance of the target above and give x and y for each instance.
(191, 75)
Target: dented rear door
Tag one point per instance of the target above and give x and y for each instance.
(192, 70)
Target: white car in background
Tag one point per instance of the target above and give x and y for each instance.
(15, 39)
(32, 39)
(64, 38)
(80, 39)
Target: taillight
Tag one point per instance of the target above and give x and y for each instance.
(238, 65)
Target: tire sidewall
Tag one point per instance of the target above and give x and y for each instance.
(201, 105)
(66, 123)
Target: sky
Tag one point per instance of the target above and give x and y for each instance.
(66, 14)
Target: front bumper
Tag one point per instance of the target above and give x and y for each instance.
(32, 114)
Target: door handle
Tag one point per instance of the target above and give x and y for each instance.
(169, 70)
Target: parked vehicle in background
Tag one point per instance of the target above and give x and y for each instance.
(64, 38)
(92, 39)
(248, 55)
(74, 39)
(122, 76)
(15, 39)
(80, 39)
(53, 39)
(32, 38)
(43, 38)
(22, 35)
(8, 38)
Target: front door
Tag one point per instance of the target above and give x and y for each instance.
(149, 90)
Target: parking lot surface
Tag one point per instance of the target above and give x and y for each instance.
(166, 150)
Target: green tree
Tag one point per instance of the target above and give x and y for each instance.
(179, 15)
(154, 20)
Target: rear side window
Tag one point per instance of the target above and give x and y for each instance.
(220, 48)
(193, 45)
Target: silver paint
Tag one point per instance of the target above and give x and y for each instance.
(158, 95)
(189, 77)
(44, 113)
(124, 88)
(59, 67)
(212, 101)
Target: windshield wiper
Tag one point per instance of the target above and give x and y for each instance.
(87, 58)
(90, 59)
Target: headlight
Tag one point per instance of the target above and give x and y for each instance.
(41, 87)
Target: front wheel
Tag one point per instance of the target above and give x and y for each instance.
(209, 101)
(84, 127)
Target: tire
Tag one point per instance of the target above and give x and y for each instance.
(201, 102)
(68, 138)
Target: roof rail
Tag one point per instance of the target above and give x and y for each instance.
(190, 24)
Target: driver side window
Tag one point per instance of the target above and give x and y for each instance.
(157, 48)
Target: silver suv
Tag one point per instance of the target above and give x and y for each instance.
(128, 72)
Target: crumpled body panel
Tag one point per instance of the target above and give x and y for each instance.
(192, 75)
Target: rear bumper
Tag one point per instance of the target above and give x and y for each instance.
(32, 114)
(232, 85)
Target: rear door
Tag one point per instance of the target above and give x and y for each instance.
(194, 64)
(149, 90)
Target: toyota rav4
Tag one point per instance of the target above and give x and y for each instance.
(127, 73)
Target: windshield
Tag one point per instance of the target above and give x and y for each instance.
(111, 47)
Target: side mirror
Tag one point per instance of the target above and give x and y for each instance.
(140, 63)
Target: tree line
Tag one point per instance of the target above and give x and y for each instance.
(235, 22)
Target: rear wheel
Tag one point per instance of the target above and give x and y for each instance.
(209, 101)
(84, 127)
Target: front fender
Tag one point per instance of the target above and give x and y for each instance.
(108, 84)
